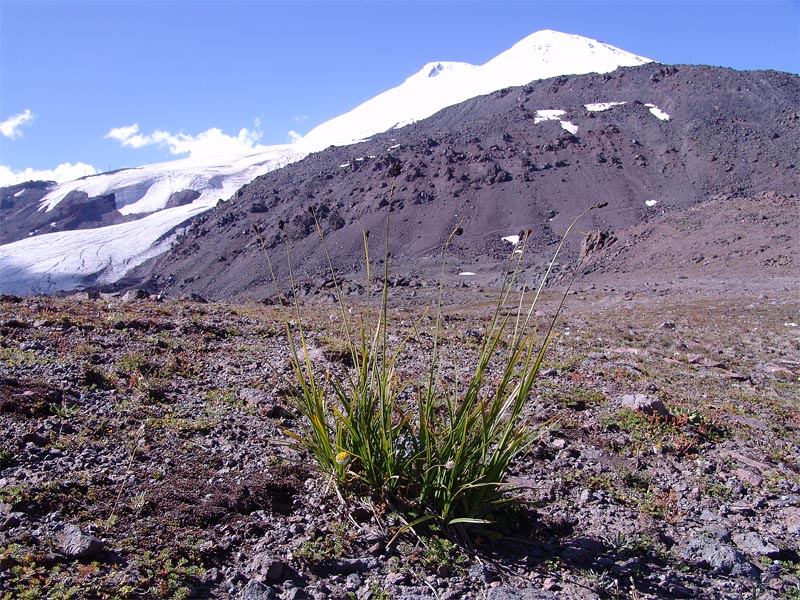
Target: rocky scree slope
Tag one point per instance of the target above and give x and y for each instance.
(498, 164)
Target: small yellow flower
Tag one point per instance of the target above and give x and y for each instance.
(342, 458)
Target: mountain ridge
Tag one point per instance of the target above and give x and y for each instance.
(668, 138)
(725, 102)
(94, 254)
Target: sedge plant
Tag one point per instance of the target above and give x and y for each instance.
(439, 452)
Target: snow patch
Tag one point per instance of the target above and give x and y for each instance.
(569, 126)
(437, 85)
(548, 115)
(514, 241)
(657, 112)
(19, 193)
(601, 106)
(466, 273)
(650, 202)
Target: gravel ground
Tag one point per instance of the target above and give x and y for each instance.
(144, 455)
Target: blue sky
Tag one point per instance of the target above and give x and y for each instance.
(75, 77)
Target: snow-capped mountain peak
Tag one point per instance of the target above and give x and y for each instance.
(67, 259)
(440, 69)
(440, 84)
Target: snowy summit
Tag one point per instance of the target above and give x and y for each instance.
(46, 262)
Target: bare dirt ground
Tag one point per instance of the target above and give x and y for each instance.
(144, 455)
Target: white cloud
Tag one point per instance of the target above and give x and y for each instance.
(293, 136)
(301, 119)
(212, 142)
(63, 172)
(10, 128)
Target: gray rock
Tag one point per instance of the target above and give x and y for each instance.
(509, 593)
(11, 521)
(77, 544)
(717, 531)
(719, 557)
(255, 590)
(708, 515)
(36, 439)
(212, 575)
(647, 404)
(353, 582)
(413, 593)
(297, 593)
(398, 578)
(269, 568)
(576, 556)
(791, 520)
(480, 573)
(753, 543)
(137, 294)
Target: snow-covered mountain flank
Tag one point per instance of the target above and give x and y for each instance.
(95, 229)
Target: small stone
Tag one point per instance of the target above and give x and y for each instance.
(397, 578)
(741, 509)
(353, 582)
(551, 585)
(269, 568)
(212, 575)
(473, 335)
(36, 439)
(575, 556)
(753, 543)
(747, 476)
(721, 558)
(480, 573)
(791, 520)
(77, 544)
(255, 590)
(717, 531)
(647, 404)
(10, 522)
(138, 294)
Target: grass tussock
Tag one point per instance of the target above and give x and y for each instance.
(438, 451)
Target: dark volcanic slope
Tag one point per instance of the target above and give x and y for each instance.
(491, 163)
